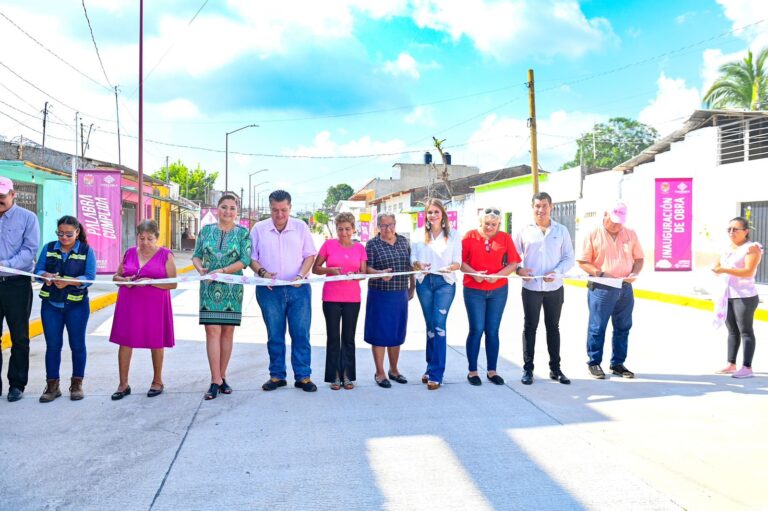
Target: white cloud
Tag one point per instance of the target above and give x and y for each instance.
(504, 141)
(744, 13)
(179, 108)
(421, 115)
(713, 59)
(404, 65)
(673, 104)
(682, 18)
(508, 29)
(324, 146)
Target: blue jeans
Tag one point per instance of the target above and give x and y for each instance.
(484, 310)
(606, 303)
(435, 297)
(75, 318)
(291, 305)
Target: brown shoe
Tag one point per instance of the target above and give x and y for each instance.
(433, 385)
(76, 389)
(51, 392)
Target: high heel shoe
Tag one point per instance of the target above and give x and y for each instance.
(224, 388)
(213, 391)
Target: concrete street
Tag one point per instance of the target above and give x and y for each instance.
(677, 437)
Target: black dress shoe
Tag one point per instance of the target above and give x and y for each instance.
(14, 394)
(306, 385)
(474, 380)
(155, 392)
(495, 379)
(527, 378)
(383, 383)
(273, 383)
(120, 394)
(399, 378)
(559, 376)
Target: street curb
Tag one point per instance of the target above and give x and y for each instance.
(685, 301)
(100, 302)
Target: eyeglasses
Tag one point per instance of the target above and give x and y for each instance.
(386, 226)
(734, 229)
(488, 246)
(65, 234)
(492, 211)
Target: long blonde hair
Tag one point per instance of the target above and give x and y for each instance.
(445, 225)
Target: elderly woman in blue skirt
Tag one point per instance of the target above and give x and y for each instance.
(386, 309)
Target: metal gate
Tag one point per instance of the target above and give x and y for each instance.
(565, 213)
(26, 196)
(757, 214)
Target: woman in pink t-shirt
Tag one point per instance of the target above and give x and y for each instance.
(341, 300)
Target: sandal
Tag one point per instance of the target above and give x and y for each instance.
(348, 385)
(224, 388)
(336, 385)
(213, 391)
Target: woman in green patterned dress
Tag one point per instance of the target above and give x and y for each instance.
(223, 247)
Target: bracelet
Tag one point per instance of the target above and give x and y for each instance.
(302, 277)
(600, 274)
(262, 271)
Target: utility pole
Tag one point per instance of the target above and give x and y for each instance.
(140, 205)
(45, 118)
(117, 112)
(532, 126)
(167, 172)
(594, 149)
(74, 169)
(87, 139)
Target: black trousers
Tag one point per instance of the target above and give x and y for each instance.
(741, 314)
(15, 308)
(340, 326)
(552, 302)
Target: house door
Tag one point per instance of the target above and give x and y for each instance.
(757, 214)
(129, 225)
(565, 213)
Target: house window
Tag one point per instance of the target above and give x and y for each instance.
(731, 142)
(758, 139)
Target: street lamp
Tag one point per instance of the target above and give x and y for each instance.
(250, 189)
(226, 154)
(258, 203)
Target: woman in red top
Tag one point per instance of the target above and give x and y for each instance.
(491, 253)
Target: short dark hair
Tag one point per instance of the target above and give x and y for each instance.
(744, 223)
(542, 196)
(226, 196)
(70, 220)
(148, 226)
(279, 196)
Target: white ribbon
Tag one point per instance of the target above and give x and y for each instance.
(258, 281)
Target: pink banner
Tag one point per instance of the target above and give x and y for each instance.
(453, 220)
(674, 220)
(98, 209)
(365, 231)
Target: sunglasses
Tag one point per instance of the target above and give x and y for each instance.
(65, 234)
(734, 229)
(492, 211)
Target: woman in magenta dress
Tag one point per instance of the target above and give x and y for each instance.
(143, 315)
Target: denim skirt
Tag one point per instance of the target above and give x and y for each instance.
(386, 317)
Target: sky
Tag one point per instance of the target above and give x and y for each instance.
(341, 90)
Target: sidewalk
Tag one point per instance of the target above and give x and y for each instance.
(677, 437)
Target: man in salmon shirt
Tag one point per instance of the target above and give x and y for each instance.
(611, 251)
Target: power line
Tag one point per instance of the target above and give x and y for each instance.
(21, 123)
(17, 75)
(51, 51)
(96, 47)
(168, 50)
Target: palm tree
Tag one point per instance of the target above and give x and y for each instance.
(742, 84)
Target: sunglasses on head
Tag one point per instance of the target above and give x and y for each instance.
(492, 211)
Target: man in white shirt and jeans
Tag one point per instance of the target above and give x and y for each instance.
(546, 252)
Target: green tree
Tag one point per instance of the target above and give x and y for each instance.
(742, 84)
(336, 193)
(193, 184)
(323, 218)
(611, 143)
